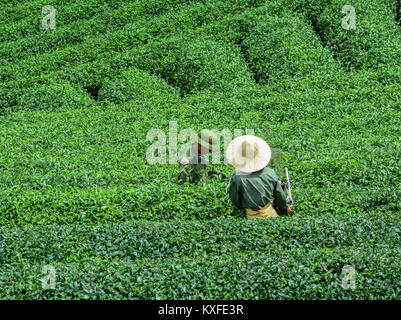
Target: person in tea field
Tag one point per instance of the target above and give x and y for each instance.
(255, 187)
(193, 167)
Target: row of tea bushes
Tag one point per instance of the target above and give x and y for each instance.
(375, 41)
(133, 33)
(300, 258)
(89, 63)
(287, 47)
(223, 235)
(75, 24)
(25, 20)
(279, 45)
(271, 59)
(192, 65)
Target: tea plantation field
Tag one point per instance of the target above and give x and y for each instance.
(78, 194)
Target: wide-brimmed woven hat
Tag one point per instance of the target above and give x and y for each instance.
(248, 153)
(209, 140)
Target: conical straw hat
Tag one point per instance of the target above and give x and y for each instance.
(248, 153)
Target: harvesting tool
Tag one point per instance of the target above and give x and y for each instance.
(287, 186)
(289, 198)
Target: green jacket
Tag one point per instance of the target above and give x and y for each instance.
(255, 190)
(192, 169)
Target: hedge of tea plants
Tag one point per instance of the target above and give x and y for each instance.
(159, 260)
(76, 189)
(376, 32)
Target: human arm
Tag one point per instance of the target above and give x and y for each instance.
(235, 192)
(280, 199)
(213, 172)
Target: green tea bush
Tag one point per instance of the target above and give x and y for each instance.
(90, 76)
(9, 93)
(374, 42)
(193, 65)
(311, 9)
(286, 46)
(12, 91)
(262, 34)
(21, 18)
(18, 10)
(232, 29)
(134, 85)
(53, 96)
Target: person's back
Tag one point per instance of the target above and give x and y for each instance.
(192, 166)
(193, 169)
(255, 187)
(257, 190)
